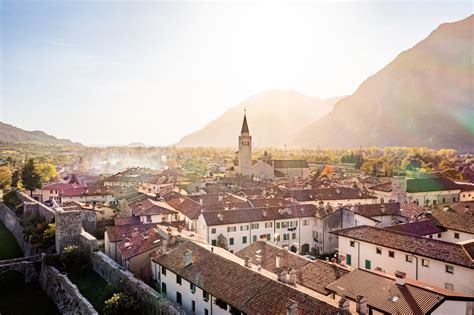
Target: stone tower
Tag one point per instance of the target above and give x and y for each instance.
(399, 189)
(245, 149)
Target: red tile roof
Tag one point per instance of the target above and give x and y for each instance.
(141, 243)
(421, 246)
(333, 193)
(378, 209)
(152, 207)
(118, 233)
(420, 228)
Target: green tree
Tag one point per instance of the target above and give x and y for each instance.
(222, 242)
(30, 177)
(5, 176)
(47, 171)
(16, 177)
(121, 303)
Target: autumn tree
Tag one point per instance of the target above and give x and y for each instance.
(47, 171)
(30, 177)
(15, 179)
(5, 176)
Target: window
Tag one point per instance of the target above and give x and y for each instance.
(449, 286)
(213, 231)
(268, 224)
(367, 264)
(378, 250)
(205, 295)
(269, 237)
(439, 235)
(352, 243)
(284, 225)
(293, 236)
(214, 242)
(305, 222)
(192, 287)
(278, 225)
(231, 229)
(391, 253)
(254, 226)
(231, 241)
(244, 239)
(178, 298)
(163, 288)
(409, 258)
(456, 235)
(244, 227)
(425, 262)
(178, 279)
(431, 236)
(254, 238)
(163, 271)
(206, 312)
(193, 306)
(348, 259)
(449, 269)
(286, 237)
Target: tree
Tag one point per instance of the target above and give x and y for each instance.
(16, 177)
(47, 171)
(5, 176)
(327, 171)
(30, 177)
(121, 303)
(222, 242)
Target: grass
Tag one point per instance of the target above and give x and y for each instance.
(18, 297)
(92, 286)
(9, 248)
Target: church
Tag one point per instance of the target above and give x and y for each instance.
(264, 168)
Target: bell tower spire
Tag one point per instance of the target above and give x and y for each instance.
(245, 148)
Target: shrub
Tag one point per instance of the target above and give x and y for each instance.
(121, 303)
(73, 258)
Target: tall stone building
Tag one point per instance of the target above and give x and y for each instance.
(244, 155)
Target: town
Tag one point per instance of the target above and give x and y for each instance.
(268, 236)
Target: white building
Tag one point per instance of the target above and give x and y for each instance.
(443, 264)
(334, 196)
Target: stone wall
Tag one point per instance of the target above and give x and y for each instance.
(150, 300)
(68, 228)
(89, 220)
(12, 222)
(64, 293)
(32, 206)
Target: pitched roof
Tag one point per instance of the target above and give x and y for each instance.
(212, 199)
(420, 228)
(186, 206)
(289, 163)
(333, 193)
(314, 275)
(118, 233)
(258, 214)
(421, 246)
(239, 286)
(450, 219)
(430, 184)
(245, 127)
(141, 243)
(385, 295)
(378, 209)
(152, 207)
(385, 187)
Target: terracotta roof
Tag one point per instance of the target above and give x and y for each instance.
(430, 184)
(118, 233)
(420, 228)
(186, 206)
(453, 220)
(269, 202)
(152, 207)
(333, 193)
(213, 199)
(422, 246)
(242, 288)
(126, 220)
(384, 295)
(314, 275)
(378, 209)
(385, 187)
(466, 207)
(258, 214)
(289, 163)
(410, 210)
(140, 243)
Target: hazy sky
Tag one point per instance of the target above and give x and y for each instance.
(109, 72)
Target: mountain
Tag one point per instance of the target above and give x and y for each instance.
(424, 97)
(275, 117)
(9, 134)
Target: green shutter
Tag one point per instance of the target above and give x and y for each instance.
(367, 264)
(348, 259)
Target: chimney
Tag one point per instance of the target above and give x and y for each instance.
(220, 216)
(400, 277)
(220, 197)
(264, 213)
(292, 276)
(282, 276)
(288, 210)
(248, 263)
(445, 208)
(277, 260)
(200, 201)
(338, 191)
(188, 258)
(361, 305)
(344, 304)
(360, 193)
(382, 209)
(291, 308)
(127, 243)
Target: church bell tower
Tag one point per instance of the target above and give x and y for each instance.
(245, 149)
